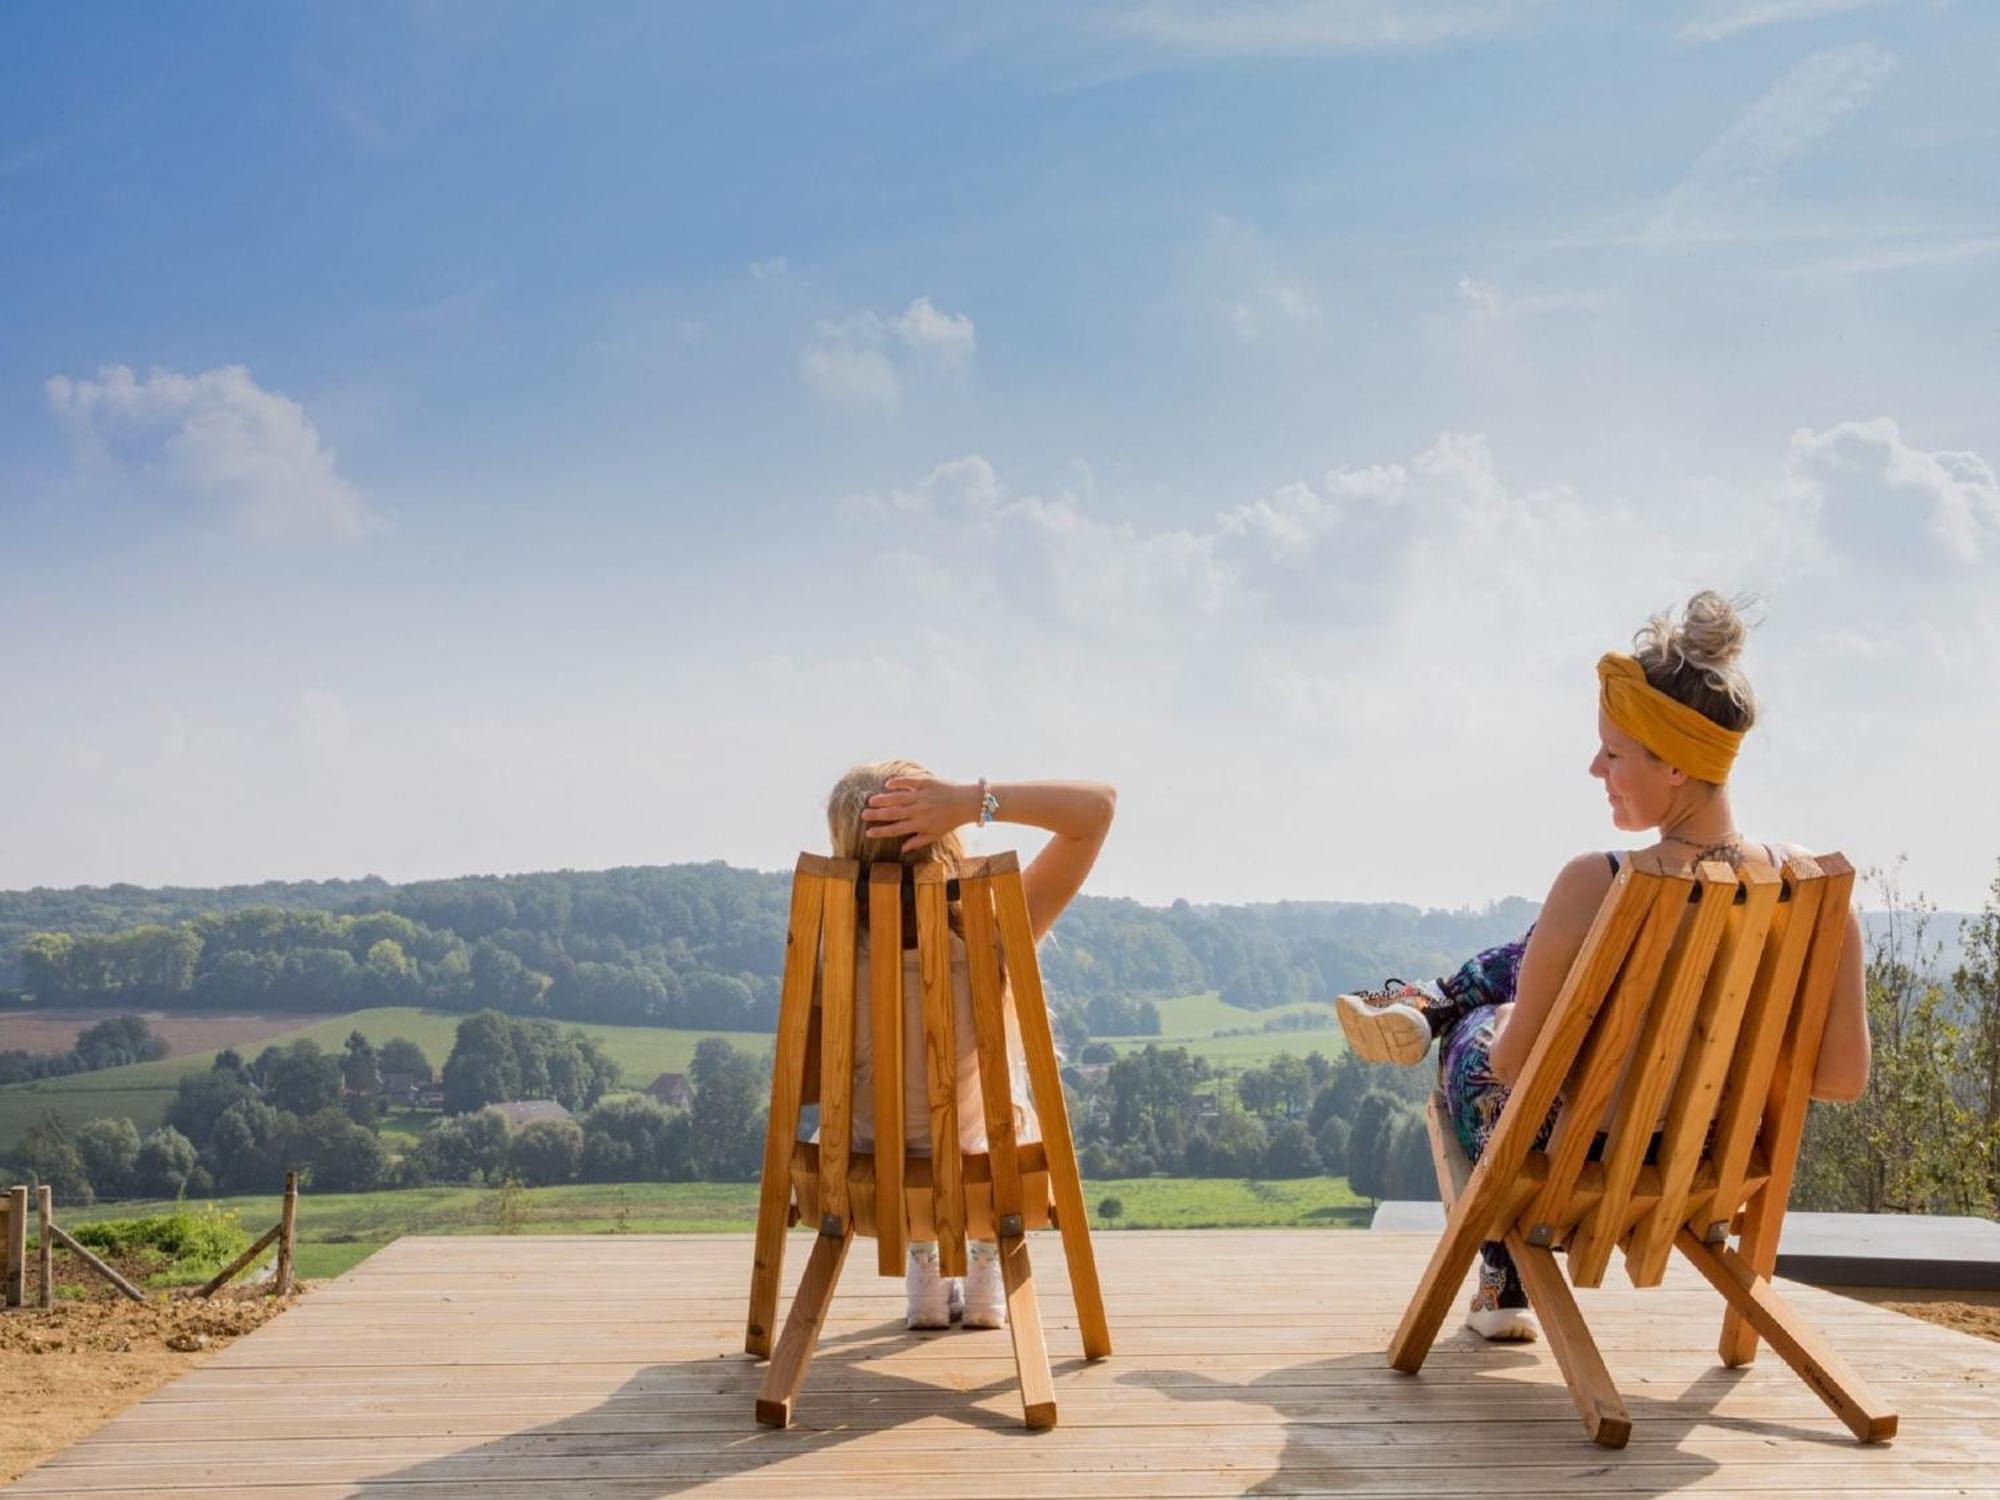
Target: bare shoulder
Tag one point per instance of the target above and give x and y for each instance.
(1579, 887)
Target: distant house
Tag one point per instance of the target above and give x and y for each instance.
(671, 1089)
(428, 1096)
(400, 1090)
(519, 1112)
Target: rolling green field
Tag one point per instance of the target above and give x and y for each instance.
(143, 1091)
(339, 1230)
(1192, 1021)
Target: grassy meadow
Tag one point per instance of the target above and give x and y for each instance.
(1197, 1022)
(143, 1091)
(339, 1230)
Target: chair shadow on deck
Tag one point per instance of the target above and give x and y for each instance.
(633, 1435)
(1334, 1427)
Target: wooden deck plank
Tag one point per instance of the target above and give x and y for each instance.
(485, 1367)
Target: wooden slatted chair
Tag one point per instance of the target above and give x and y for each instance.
(999, 1194)
(1698, 999)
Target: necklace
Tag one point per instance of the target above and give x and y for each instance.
(1730, 845)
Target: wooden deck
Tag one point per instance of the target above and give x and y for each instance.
(1247, 1363)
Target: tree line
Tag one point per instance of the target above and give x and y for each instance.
(1925, 1135)
(1165, 1110)
(692, 946)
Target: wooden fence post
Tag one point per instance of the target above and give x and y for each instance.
(85, 1255)
(17, 1245)
(45, 1248)
(282, 1283)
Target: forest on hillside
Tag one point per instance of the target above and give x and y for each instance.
(697, 946)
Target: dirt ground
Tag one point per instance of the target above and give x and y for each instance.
(65, 1371)
(54, 1031)
(1968, 1312)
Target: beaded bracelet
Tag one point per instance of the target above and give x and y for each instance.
(989, 805)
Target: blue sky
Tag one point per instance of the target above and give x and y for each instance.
(439, 438)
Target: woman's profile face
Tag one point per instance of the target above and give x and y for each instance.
(1638, 783)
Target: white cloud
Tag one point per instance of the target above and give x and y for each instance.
(773, 269)
(851, 360)
(1882, 500)
(851, 377)
(947, 338)
(1291, 27)
(965, 484)
(1812, 100)
(1919, 256)
(1256, 295)
(1486, 303)
(217, 437)
(1718, 19)
(1396, 653)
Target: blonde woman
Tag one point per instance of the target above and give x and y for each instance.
(897, 810)
(1670, 719)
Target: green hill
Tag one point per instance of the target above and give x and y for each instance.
(143, 1091)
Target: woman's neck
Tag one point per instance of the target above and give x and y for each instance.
(1702, 820)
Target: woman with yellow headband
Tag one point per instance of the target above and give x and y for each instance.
(1670, 719)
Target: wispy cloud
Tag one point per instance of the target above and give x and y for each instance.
(850, 360)
(1487, 303)
(217, 437)
(1292, 27)
(1813, 99)
(851, 377)
(1717, 19)
(1902, 258)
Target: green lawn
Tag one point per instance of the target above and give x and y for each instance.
(339, 1230)
(143, 1091)
(1193, 1021)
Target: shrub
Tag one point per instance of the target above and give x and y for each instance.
(1291, 1152)
(189, 1246)
(110, 1151)
(1111, 1207)
(546, 1151)
(165, 1162)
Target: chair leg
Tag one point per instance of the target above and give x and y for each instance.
(1597, 1399)
(1753, 1299)
(1758, 1243)
(1083, 1282)
(1024, 1322)
(1450, 1259)
(787, 1371)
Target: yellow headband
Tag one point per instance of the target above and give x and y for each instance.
(1681, 736)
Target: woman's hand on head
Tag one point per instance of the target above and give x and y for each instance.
(919, 810)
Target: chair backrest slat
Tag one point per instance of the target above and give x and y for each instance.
(1654, 1058)
(836, 1089)
(1790, 1090)
(1493, 1185)
(1602, 1055)
(1698, 1085)
(1766, 1014)
(990, 1026)
(885, 1015)
(941, 1068)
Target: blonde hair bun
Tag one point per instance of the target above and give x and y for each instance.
(1693, 659)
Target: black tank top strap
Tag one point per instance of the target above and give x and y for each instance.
(1612, 860)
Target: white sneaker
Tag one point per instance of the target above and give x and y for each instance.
(1505, 1325)
(929, 1304)
(1386, 1025)
(985, 1291)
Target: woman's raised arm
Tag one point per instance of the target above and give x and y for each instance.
(918, 809)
